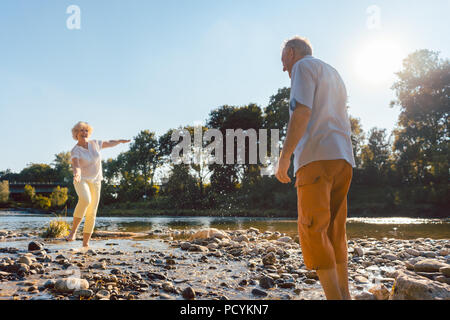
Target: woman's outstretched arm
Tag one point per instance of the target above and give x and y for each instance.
(113, 143)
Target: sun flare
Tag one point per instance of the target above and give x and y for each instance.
(378, 60)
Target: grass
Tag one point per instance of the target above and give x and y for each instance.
(57, 228)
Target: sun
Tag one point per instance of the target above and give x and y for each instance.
(377, 60)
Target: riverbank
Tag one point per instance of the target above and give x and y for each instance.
(272, 213)
(212, 264)
(142, 209)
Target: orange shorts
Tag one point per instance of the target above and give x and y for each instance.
(322, 188)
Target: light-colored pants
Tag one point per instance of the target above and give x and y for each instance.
(88, 197)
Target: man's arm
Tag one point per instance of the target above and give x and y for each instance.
(296, 129)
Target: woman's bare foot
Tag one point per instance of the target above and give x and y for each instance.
(70, 238)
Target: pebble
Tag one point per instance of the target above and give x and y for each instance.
(34, 245)
(269, 259)
(102, 295)
(84, 293)
(188, 293)
(259, 293)
(266, 282)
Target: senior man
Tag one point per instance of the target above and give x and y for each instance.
(319, 135)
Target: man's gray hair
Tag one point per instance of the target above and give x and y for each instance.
(301, 45)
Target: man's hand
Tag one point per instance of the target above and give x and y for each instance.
(282, 169)
(296, 129)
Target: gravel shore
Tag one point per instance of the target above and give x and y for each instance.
(212, 264)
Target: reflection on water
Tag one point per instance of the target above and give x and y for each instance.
(400, 228)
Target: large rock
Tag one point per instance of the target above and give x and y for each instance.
(188, 293)
(359, 251)
(365, 296)
(380, 292)
(429, 265)
(285, 239)
(102, 295)
(19, 268)
(84, 293)
(241, 238)
(266, 282)
(71, 284)
(185, 245)
(413, 252)
(168, 287)
(269, 259)
(445, 271)
(26, 260)
(34, 245)
(197, 248)
(411, 287)
(259, 293)
(209, 233)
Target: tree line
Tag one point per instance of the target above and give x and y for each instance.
(408, 168)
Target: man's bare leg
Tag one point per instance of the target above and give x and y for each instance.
(73, 232)
(342, 274)
(330, 284)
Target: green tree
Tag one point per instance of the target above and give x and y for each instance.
(37, 172)
(276, 114)
(225, 178)
(143, 158)
(357, 139)
(58, 197)
(375, 157)
(421, 139)
(182, 188)
(62, 167)
(29, 193)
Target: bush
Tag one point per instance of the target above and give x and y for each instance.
(29, 193)
(57, 228)
(42, 202)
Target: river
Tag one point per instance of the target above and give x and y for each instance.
(378, 228)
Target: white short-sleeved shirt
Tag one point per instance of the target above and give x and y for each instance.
(319, 87)
(90, 160)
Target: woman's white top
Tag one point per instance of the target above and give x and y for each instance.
(90, 160)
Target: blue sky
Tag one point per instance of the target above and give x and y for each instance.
(157, 65)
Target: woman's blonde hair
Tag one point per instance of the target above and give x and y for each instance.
(78, 126)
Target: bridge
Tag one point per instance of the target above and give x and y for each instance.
(16, 189)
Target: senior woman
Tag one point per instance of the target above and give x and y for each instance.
(87, 178)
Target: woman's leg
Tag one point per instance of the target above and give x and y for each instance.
(91, 212)
(84, 198)
(73, 232)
